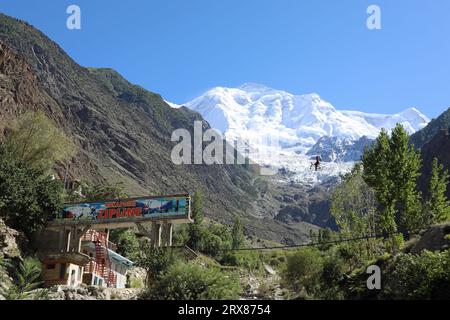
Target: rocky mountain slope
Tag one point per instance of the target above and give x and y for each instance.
(122, 132)
(438, 147)
(335, 149)
(426, 134)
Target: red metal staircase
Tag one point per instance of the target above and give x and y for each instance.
(102, 261)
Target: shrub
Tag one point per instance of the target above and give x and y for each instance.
(334, 268)
(251, 260)
(213, 240)
(424, 276)
(192, 282)
(303, 269)
(26, 278)
(275, 258)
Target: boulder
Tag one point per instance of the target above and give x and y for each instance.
(436, 238)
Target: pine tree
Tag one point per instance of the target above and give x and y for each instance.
(237, 234)
(391, 168)
(438, 206)
(312, 235)
(376, 174)
(404, 170)
(353, 205)
(195, 230)
(197, 211)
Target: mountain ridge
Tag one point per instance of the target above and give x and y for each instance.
(421, 137)
(122, 132)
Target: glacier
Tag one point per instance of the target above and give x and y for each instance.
(257, 113)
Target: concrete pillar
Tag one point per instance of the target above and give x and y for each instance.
(79, 235)
(73, 239)
(167, 234)
(156, 235)
(153, 234)
(164, 234)
(67, 238)
(61, 240)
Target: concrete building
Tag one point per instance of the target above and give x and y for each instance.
(107, 268)
(96, 263)
(75, 248)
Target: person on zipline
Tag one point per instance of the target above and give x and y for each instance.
(317, 163)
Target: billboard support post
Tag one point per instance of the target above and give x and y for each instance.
(156, 234)
(167, 233)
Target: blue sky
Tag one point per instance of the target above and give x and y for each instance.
(181, 48)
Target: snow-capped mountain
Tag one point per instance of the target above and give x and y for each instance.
(262, 115)
(297, 120)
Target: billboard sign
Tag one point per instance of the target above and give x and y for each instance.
(135, 209)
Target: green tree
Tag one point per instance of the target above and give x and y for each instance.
(438, 206)
(154, 260)
(195, 230)
(391, 168)
(404, 171)
(27, 195)
(197, 210)
(196, 234)
(376, 174)
(180, 235)
(34, 139)
(237, 234)
(215, 240)
(354, 206)
(127, 243)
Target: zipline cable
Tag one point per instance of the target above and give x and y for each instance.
(366, 237)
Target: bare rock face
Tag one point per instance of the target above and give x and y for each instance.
(137, 277)
(8, 244)
(18, 87)
(437, 147)
(434, 239)
(9, 249)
